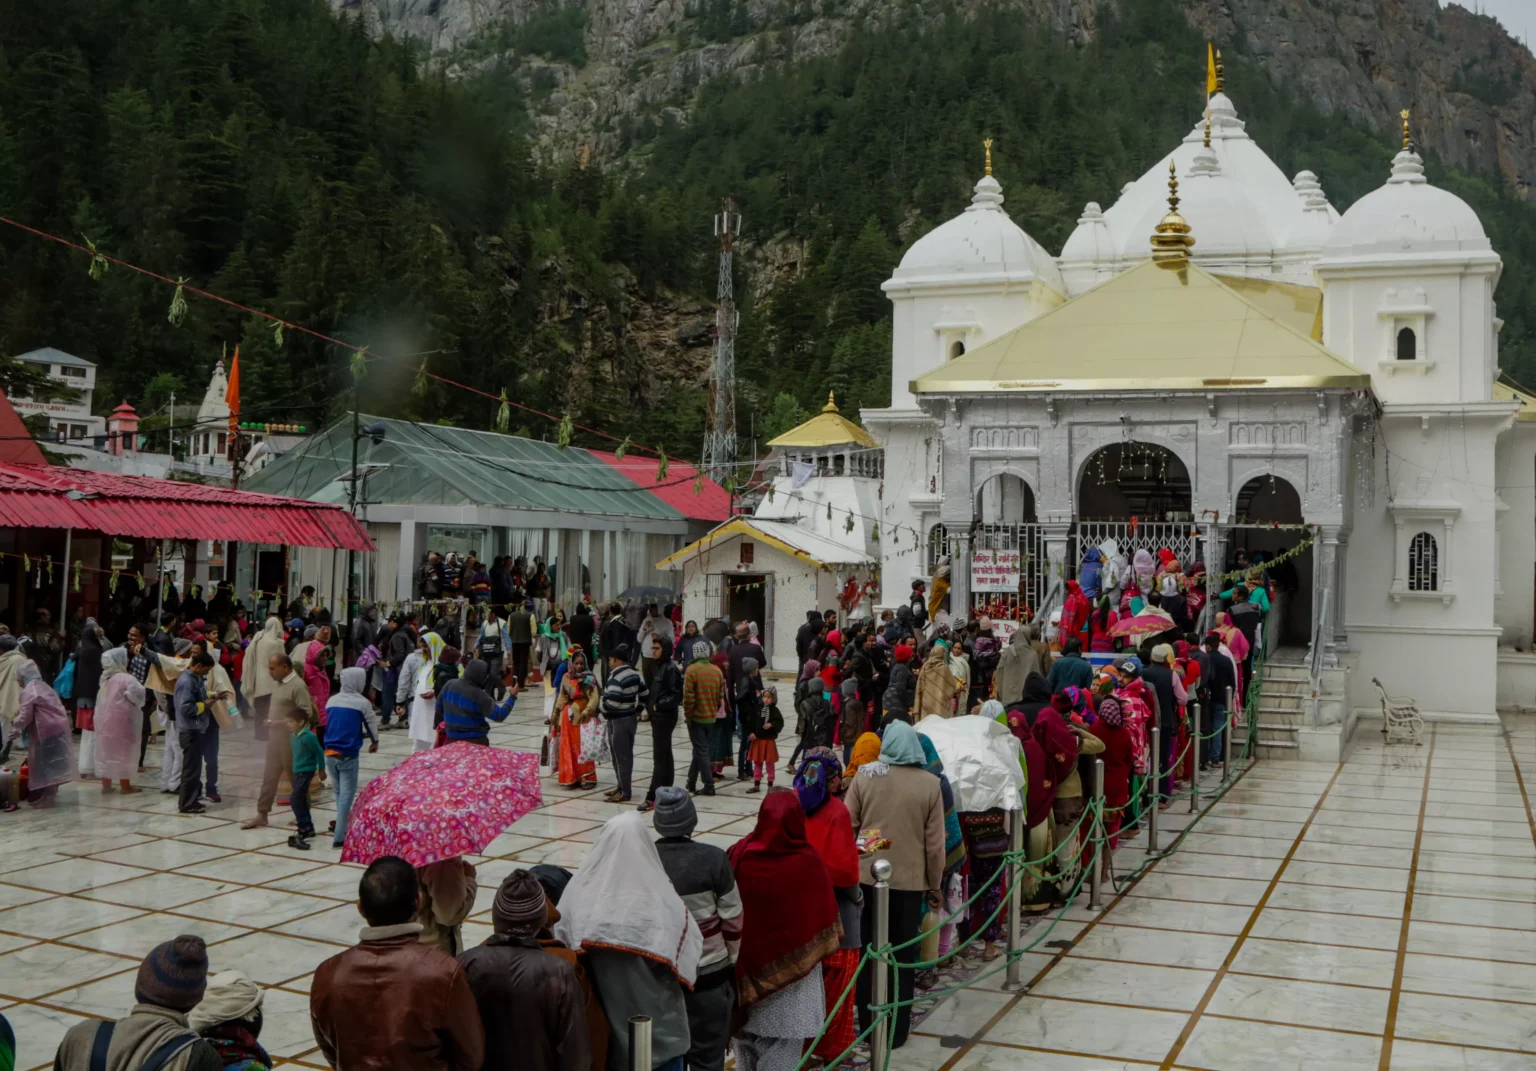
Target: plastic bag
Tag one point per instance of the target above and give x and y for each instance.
(64, 683)
(594, 741)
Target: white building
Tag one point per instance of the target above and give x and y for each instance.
(1292, 367)
(809, 546)
(68, 418)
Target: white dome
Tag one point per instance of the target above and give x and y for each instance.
(1407, 215)
(981, 244)
(1244, 211)
(1222, 217)
(1091, 241)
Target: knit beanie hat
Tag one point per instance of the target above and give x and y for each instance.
(675, 814)
(903, 653)
(174, 975)
(850, 687)
(520, 905)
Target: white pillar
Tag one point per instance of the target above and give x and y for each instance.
(407, 568)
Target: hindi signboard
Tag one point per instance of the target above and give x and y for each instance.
(995, 570)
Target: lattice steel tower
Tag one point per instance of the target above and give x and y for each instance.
(720, 439)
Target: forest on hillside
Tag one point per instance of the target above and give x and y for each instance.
(275, 154)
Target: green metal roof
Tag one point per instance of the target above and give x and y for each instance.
(427, 464)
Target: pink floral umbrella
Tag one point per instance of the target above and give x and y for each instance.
(1147, 623)
(436, 804)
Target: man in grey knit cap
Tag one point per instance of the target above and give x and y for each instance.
(702, 876)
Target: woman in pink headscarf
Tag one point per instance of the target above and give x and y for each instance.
(317, 677)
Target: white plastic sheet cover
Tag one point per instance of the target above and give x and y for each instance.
(981, 758)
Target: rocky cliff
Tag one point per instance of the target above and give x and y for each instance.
(1471, 87)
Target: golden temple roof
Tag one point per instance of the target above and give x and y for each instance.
(1158, 328)
(1506, 392)
(827, 428)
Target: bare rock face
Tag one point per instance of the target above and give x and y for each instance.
(1470, 86)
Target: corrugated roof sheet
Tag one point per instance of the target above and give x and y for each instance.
(711, 503)
(149, 508)
(17, 447)
(429, 464)
(49, 355)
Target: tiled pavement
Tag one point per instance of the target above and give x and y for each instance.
(1377, 914)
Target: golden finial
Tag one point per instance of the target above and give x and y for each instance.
(987, 145)
(1171, 241)
(1207, 128)
(831, 406)
(1407, 137)
(1221, 74)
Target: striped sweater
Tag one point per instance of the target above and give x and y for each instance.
(702, 876)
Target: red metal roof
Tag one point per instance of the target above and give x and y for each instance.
(710, 504)
(39, 496)
(17, 446)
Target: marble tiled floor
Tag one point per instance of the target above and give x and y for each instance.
(1378, 914)
(89, 886)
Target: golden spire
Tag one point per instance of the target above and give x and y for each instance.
(1407, 136)
(1171, 241)
(1221, 74)
(1207, 128)
(987, 145)
(831, 406)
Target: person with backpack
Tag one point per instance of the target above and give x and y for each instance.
(154, 1035)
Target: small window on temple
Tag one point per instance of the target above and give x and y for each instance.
(1407, 345)
(956, 348)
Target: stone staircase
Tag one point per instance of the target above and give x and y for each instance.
(1283, 692)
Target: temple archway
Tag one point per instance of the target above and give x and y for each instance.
(1004, 499)
(1266, 519)
(1133, 479)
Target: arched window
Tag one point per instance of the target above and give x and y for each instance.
(938, 544)
(956, 348)
(1423, 563)
(1407, 345)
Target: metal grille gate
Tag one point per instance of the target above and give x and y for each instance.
(1181, 537)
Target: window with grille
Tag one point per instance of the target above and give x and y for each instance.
(937, 546)
(1423, 563)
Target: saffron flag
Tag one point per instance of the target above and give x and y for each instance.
(232, 392)
(1210, 68)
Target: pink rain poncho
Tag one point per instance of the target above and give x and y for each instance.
(315, 677)
(50, 750)
(119, 718)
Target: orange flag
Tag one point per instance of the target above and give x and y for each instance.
(232, 392)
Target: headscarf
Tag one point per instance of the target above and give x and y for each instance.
(113, 662)
(866, 750)
(785, 888)
(812, 668)
(622, 899)
(954, 840)
(994, 710)
(813, 781)
(1110, 713)
(901, 746)
(435, 647)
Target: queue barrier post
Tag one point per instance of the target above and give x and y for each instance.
(640, 1043)
(1194, 756)
(879, 1038)
(1015, 982)
(1226, 741)
(1154, 774)
(1101, 852)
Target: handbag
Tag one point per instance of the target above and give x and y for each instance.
(64, 683)
(594, 741)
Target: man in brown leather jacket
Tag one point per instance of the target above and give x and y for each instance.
(432, 1023)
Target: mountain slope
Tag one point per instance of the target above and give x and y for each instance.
(1470, 85)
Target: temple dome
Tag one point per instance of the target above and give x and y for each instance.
(1407, 215)
(980, 245)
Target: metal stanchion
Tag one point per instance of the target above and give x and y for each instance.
(1101, 851)
(640, 1043)
(1015, 982)
(879, 1038)
(1154, 771)
(1194, 756)
(1226, 741)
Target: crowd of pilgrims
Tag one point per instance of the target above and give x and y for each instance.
(745, 950)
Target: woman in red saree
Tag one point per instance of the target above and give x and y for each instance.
(790, 923)
(830, 830)
(575, 703)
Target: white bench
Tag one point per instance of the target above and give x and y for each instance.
(1400, 716)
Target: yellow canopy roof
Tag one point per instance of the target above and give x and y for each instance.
(1504, 392)
(1154, 327)
(826, 428)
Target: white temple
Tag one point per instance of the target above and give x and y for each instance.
(1279, 374)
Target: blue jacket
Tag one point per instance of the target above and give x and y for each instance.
(345, 727)
(466, 708)
(191, 703)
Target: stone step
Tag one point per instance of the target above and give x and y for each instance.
(1278, 750)
(1277, 727)
(1280, 701)
(1287, 674)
